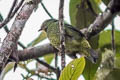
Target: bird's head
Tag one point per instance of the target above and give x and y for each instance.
(46, 24)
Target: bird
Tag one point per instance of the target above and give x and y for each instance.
(75, 41)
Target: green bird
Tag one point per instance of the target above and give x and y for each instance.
(75, 41)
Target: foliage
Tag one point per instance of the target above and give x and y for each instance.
(7, 69)
(83, 16)
(107, 67)
(40, 38)
(73, 70)
(49, 58)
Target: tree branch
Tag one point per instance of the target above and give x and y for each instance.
(7, 31)
(46, 10)
(104, 19)
(9, 45)
(62, 36)
(12, 8)
(113, 38)
(98, 25)
(11, 13)
(48, 66)
(35, 52)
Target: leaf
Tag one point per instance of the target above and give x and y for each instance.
(22, 65)
(40, 38)
(94, 41)
(81, 15)
(98, 1)
(90, 69)
(95, 5)
(113, 75)
(73, 70)
(7, 69)
(48, 58)
(105, 40)
(117, 61)
(108, 59)
(107, 65)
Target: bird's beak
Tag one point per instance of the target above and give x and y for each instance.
(40, 29)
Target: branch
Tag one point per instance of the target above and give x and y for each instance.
(98, 25)
(7, 31)
(12, 8)
(113, 38)
(62, 36)
(9, 45)
(48, 66)
(35, 52)
(104, 19)
(11, 13)
(46, 10)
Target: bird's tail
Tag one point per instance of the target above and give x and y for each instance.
(93, 56)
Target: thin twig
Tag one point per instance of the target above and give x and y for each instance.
(97, 26)
(17, 8)
(11, 15)
(9, 47)
(62, 37)
(56, 53)
(56, 70)
(113, 37)
(30, 74)
(91, 8)
(12, 8)
(56, 65)
(47, 65)
(21, 45)
(102, 20)
(46, 10)
(56, 59)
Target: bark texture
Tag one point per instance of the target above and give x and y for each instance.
(8, 49)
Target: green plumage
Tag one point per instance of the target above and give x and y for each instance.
(75, 41)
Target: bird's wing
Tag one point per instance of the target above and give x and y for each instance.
(72, 32)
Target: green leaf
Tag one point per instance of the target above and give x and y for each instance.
(113, 75)
(105, 40)
(7, 69)
(48, 58)
(90, 69)
(107, 65)
(117, 61)
(40, 38)
(73, 70)
(95, 5)
(94, 41)
(81, 15)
